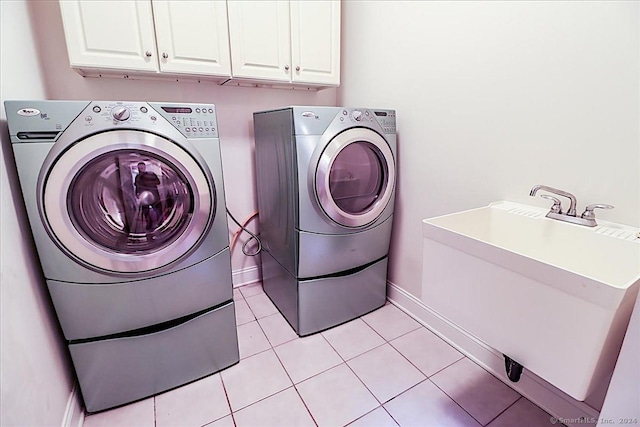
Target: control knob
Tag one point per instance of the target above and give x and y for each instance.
(121, 114)
(357, 115)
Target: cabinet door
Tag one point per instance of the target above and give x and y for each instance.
(315, 41)
(110, 35)
(259, 37)
(193, 37)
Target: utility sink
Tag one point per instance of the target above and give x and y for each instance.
(554, 297)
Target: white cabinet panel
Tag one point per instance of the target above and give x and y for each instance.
(192, 37)
(295, 42)
(315, 41)
(110, 35)
(260, 41)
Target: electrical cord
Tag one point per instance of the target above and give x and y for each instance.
(244, 228)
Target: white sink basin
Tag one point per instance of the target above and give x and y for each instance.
(555, 297)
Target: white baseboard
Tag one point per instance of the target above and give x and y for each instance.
(534, 388)
(246, 276)
(74, 414)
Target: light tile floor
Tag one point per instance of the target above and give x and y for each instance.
(383, 369)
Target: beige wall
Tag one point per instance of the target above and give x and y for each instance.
(495, 97)
(36, 378)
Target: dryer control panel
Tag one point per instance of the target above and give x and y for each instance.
(385, 118)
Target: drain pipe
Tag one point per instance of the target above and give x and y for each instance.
(513, 368)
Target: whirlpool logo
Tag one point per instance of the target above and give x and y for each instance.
(28, 112)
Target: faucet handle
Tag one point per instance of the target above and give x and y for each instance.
(557, 206)
(588, 211)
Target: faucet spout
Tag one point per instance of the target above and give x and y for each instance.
(571, 197)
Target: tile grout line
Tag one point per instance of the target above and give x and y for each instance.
(455, 401)
(293, 385)
(226, 395)
(305, 405)
(505, 410)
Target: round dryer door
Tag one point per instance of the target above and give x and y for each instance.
(127, 202)
(355, 177)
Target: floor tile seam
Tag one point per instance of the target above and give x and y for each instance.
(364, 415)
(402, 355)
(246, 285)
(292, 339)
(282, 364)
(226, 395)
(418, 325)
(305, 405)
(415, 366)
(354, 420)
(456, 402)
(155, 412)
(241, 324)
(246, 406)
(312, 376)
(265, 333)
(259, 400)
(408, 314)
(379, 334)
(404, 333)
(251, 309)
(366, 387)
(505, 410)
(255, 354)
(332, 347)
(462, 356)
(249, 296)
(357, 355)
(265, 398)
(405, 391)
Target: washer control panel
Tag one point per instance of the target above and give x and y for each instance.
(386, 118)
(191, 120)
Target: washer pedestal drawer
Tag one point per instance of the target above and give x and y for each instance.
(121, 370)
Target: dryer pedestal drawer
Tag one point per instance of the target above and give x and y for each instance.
(113, 372)
(329, 301)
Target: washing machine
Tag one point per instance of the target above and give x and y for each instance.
(326, 188)
(127, 208)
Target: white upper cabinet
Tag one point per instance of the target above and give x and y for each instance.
(295, 41)
(315, 41)
(281, 42)
(260, 41)
(193, 36)
(176, 37)
(110, 35)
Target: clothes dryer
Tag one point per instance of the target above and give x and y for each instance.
(126, 205)
(326, 190)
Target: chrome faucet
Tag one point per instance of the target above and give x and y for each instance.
(572, 198)
(587, 218)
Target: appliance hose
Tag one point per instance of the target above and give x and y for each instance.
(243, 227)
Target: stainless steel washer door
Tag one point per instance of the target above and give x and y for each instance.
(355, 177)
(127, 202)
